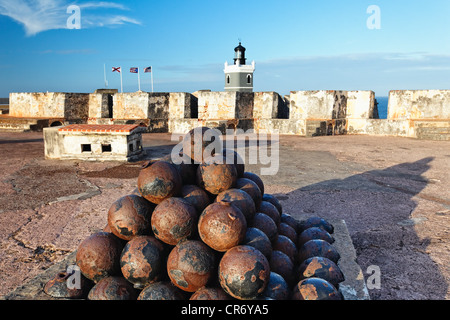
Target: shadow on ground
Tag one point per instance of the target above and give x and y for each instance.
(377, 206)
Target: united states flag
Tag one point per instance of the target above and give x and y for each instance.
(148, 70)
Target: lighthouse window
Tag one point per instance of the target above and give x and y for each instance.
(228, 78)
(249, 79)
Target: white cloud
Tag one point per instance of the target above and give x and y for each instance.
(41, 15)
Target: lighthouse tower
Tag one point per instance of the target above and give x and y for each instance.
(239, 76)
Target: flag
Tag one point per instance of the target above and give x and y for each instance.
(116, 69)
(148, 70)
(134, 70)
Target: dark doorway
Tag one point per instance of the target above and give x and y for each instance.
(110, 106)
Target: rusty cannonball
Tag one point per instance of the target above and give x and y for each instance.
(251, 188)
(58, 286)
(130, 216)
(284, 244)
(286, 230)
(273, 200)
(258, 240)
(163, 290)
(283, 265)
(142, 261)
(215, 293)
(158, 181)
(185, 167)
(195, 196)
(222, 226)
(255, 178)
(201, 143)
(290, 220)
(320, 267)
(240, 199)
(269, 209)
(317, 222)
(174, 220)
(315, 289)
(265, 223)
(313, 233)
(191, 265)
(244, 272)
(317, 248)
(215, 176)
(98, 256)
(233, 157)
(277, 288)
(113, 288)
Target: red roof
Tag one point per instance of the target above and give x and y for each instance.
(99, 128)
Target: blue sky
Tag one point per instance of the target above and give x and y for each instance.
(297, 45)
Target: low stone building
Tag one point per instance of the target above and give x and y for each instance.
(94, 142)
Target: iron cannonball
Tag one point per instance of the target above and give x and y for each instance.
(210, 294)
(317, 222)
(317, 248)
(215, 176)
(191, 265)
(142, 261)
(273, 200)
(251, 188)
(277, 288)
(315, 289)
(254, 177)
(98, 256)
(244, 272)
(284, 244)
(130, 216)
(259, 240)
(265, 223)
(286, 230)
(222, 226)
(195, 196)
(320, 267)
(158, 181)
(163, 290)
(174, 220)
(113, 288)
(313, 233)
(241, 200)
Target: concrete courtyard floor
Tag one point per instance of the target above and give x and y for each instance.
(392, 192)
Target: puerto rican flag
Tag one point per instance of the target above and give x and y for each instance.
(134, 70)
(116, 69)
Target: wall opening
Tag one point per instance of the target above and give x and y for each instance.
(106, 148)
(249, 79)
(110, 106)
(86, 148)
(130, 148)
(56, 124)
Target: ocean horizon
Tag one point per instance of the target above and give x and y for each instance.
(382, 107)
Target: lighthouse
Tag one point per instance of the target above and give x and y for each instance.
(239, 76)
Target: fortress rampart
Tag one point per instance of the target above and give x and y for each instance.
(422, 114)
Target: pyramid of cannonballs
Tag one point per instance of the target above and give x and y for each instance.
(206, 231)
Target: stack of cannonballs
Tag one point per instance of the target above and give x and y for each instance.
(207, 231)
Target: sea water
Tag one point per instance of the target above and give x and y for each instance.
(382, 107)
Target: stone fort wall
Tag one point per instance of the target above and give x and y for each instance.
(411, 113)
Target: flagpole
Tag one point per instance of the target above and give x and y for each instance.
(104, 72)
(121, 82)
(152, 77)
(139, 79)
